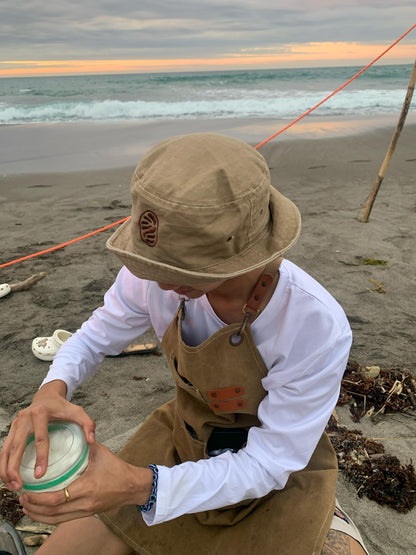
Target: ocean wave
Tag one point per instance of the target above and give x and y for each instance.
(285, 106)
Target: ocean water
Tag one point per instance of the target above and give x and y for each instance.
(275, 93)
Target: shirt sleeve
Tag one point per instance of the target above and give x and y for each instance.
(302, 389)
(122, 319)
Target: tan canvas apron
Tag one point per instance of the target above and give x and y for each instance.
(218, 385)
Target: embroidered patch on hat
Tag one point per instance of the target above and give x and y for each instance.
(149, 225)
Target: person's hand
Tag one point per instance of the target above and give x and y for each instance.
(108, 483)
(48, 404)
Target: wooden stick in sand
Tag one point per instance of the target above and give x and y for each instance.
(386, 162)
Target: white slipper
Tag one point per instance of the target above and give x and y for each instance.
(45, 348)
(4, 289)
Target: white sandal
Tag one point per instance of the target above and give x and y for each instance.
(45, 348)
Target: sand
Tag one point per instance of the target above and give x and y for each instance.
(327, 167)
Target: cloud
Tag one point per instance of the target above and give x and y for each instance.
(70, 29)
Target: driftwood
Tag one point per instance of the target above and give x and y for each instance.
(27, 283)
(36, 528)
(34, 541)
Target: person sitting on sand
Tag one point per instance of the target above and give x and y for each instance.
(238, 461)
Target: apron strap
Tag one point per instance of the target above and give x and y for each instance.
(180, 313)
(253, 306)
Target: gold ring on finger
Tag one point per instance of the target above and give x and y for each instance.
(66, 495)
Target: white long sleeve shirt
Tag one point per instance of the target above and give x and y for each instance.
(304, 339)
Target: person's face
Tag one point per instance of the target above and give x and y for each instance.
(190, 291)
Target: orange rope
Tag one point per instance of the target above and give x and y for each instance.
(64, 244)
(338, 89)
(258, 146)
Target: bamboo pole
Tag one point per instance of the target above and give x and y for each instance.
(386, 162)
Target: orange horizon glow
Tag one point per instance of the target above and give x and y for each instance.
(291, 55)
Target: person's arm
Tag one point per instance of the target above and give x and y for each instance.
(292, 417)
(302, 389)
(107, 483)
(122, 318)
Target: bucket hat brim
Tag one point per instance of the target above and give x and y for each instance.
(285, 222)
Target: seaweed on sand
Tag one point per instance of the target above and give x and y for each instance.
(10, 508)
(374, 473)
(391, 390)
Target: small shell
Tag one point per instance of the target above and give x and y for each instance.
(4, 289)
(370, 371)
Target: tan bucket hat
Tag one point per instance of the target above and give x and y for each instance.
(203, 210)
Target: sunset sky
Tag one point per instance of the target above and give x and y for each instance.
(96, 36)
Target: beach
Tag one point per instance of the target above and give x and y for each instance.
(61, 181)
